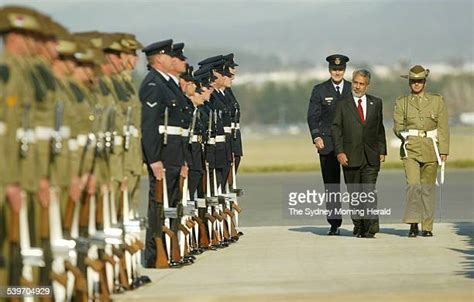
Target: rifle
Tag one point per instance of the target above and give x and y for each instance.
(161, 260)
(30, 256)
(127, 128)
(184, 233)
(171, 240)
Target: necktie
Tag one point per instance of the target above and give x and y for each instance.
(338, 91)
(361, 111)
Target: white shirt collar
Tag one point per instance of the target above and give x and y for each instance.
(341, 86)
(175, 79)
(222, 91)
(164, 74)
(363, 103)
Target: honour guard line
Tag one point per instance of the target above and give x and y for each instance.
(74, 133)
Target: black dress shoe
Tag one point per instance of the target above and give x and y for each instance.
(176, 264)
(360, 235)
(334, 231)
(369, 235)
(413, 230)
(355, 231)
(187, 261)
(240, 234)
(190, 257)
(426, 234)
(144, 279)
(222, 245)
(136, 283)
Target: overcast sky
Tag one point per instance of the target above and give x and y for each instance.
(368, 31)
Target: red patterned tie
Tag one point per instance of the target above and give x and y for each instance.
(361, 111)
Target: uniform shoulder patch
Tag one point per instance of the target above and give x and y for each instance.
(103, 88)
(4, 73)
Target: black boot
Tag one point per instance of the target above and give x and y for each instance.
(413, 230)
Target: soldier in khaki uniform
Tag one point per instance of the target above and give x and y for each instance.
(19, 27)
(421, 122)
(133, 161)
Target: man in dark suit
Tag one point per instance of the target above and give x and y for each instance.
(359, 143)
(323, 100)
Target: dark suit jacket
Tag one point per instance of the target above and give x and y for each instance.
(234, 107)
(355, 139)
(321, 111)
(155, 96)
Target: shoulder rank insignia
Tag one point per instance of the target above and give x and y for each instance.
(151, 105)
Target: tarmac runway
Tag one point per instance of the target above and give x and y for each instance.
(265, 199)
(291, 259)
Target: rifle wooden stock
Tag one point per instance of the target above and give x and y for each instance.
(204, 182)
(215, 237)
(117, 252)
(130, 248)
(218, 216)
(236, 207)
(140, 244)
(123, 278)
(229, 212)
(80, 283)
(44, 226)
(161, 260)
(159, 191)
(84, 211)
(226, 230)
(175, 256)
(181, 184)
(108, 259)
(135, 247)
(203, 237)
(190, 223)
(27, 283)
(96, 265)
(99, 267)
(68, 215)
(210, 217)
(14, 228)
(183, 229)
(99, 212)
(120, 206)
(233, 229)
(60, 278)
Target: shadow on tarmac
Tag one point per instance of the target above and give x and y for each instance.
(466, 229)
